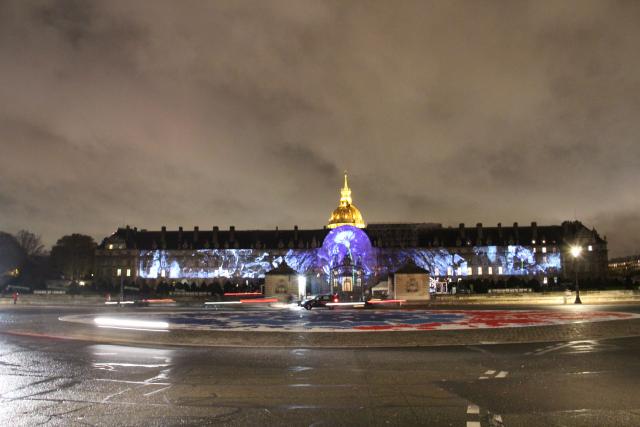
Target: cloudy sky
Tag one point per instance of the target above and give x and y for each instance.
(246, 113)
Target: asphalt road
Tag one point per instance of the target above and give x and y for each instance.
(567, 383)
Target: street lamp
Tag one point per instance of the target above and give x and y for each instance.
(122, 282)
(575, 253)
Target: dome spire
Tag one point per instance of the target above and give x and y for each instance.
(345, 193)
(346, 213)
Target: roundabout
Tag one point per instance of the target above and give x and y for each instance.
(348, 328)
(345, 321)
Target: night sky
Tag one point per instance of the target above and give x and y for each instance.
(154, 113)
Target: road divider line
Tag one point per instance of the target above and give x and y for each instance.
(502, 374)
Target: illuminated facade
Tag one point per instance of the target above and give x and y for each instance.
(348, 257)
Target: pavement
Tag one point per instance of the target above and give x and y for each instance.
(566, 383)
(57, 373)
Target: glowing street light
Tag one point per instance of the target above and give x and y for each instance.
(302, 286)
(575, 253)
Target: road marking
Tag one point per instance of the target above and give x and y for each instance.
(554, 348)
(483, 378)
(497, 418)
(473, 409)
(490, 372)
(528, 353)
(473, 423)
(157, 391)
(502, 374)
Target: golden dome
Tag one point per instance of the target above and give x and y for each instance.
(346, 213)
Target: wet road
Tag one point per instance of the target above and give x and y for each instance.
(57, 382)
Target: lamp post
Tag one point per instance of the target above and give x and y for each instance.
(575, 253)
(121, 275)
(121, 286)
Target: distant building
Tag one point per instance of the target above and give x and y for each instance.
(625, 267)
(349, 257)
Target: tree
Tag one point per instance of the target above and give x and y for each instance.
(12, 257)
(30, 243)
(73, 256)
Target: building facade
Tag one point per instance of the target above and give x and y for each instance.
(348, 256)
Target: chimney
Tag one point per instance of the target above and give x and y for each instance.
(515, 232)
(461, 230)
(232, 233)
(534, 231)
(295, 233)
(214, 236)
(196, 229)
(180, 234)
(479, 231)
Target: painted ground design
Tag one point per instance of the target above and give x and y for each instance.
(362, 320)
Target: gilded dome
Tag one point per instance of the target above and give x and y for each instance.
(346, 213)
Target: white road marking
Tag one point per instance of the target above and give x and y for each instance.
(473, 409)
(502, 374)
(490, 372)
(473, 423)
(483, 378)
(554, 348)
(157, 391)
(528, 353)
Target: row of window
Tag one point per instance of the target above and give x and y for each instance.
(480, 271)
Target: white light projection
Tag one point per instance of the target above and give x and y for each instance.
(515, 260)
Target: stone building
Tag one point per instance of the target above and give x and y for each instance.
(348, 256)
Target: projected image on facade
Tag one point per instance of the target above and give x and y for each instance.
(346, 241)
(341, 243)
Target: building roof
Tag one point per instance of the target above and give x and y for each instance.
(283, 269)
(381, 235)
(410, 267)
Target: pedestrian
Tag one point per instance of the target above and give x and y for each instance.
(15, 297)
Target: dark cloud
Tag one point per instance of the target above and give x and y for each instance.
(245, 113)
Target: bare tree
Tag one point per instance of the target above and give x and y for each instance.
(30, 243)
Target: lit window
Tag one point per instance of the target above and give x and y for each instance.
(119, 272)
(458, 271)
(437, 271)
(590, 248)
(545, 280)
(469, 271)
(534, 250)
(544, 241)
(128, 272)
(449, 271)
(110, 246)
(490, 270)
(544, 249)
(163, 273)
(500, 270)
(533, 242)
(479, 271)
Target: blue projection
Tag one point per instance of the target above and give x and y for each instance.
(514, 260)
